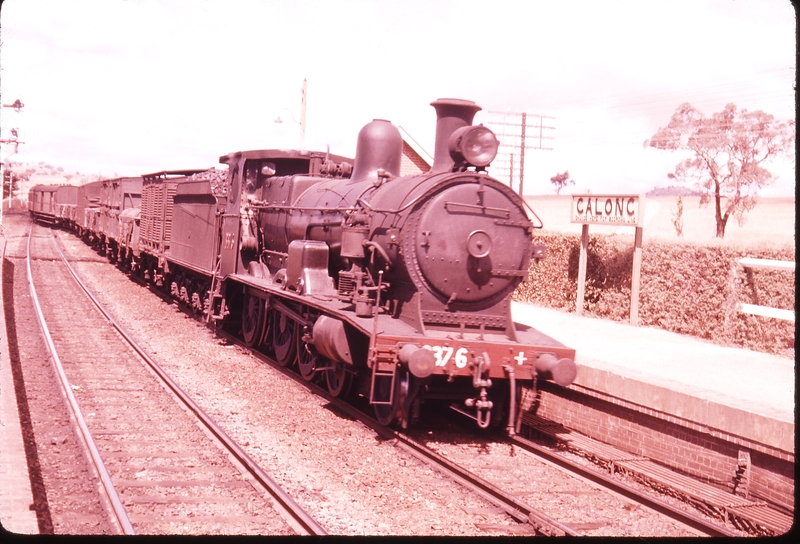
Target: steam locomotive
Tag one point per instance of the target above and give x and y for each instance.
(393, 288)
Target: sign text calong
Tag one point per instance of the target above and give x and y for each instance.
(621, 210)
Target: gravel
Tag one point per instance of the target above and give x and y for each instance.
(339, 470)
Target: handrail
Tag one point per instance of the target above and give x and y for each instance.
(768, 264)
(766, 311)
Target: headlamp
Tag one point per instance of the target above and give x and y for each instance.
(474, 145)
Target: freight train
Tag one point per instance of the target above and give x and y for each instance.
(393, 288)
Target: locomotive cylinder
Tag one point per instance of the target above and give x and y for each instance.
(330, 339)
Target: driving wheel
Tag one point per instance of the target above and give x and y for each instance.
(253, 320)
(284, 341)
(390, 413)
(307, 359)
(338, 378)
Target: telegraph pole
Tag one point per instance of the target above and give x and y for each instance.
(518, 132)
(303, 99)
(522, 152)
(302, 121)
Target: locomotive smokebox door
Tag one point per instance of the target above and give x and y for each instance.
(307, 268)
(472, 243)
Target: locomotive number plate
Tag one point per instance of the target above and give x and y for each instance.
(230, 241)
(444, 353)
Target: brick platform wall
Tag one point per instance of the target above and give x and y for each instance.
(684, 449)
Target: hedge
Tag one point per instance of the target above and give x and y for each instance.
(685, 288)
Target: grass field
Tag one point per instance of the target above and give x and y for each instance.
(770, 224)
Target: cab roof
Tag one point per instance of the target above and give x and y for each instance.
(277, 154)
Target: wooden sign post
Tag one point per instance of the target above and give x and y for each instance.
(621, 210)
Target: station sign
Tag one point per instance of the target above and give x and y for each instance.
(616, 210)
(620, 210)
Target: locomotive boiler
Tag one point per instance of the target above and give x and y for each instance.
(399, 284)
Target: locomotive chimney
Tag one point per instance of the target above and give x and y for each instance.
(379, 147)
(451, 114)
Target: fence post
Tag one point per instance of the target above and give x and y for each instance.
(582, 269)
(636, 276)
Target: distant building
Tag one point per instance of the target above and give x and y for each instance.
(415, 159)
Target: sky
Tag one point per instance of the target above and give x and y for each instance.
(127, 87)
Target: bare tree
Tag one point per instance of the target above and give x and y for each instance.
(729, 150)
(561, 181)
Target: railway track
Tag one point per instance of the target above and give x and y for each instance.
(647, 500)
(514, 502)
(165, 468)
(531, 519)
(511, 482)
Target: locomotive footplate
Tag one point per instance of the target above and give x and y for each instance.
(447, 353)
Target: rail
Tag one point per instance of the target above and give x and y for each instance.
(766, 311)
(753, 516)
(304, 520)
(120, 515)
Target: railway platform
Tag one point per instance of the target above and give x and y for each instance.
(743, 393)
(712, 424)
(16, 497)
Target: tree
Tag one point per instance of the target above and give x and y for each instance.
(677, 217)
(11, 179)
(561, 181)
(728, 153)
